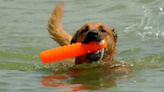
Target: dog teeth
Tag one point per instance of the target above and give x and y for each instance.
(98, 51)
(101, 42)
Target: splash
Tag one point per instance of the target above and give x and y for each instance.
(150, 25)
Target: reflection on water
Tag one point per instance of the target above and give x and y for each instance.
(50, 81)
(80, 79)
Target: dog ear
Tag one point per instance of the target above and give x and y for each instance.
(74, 38)
(114, 34)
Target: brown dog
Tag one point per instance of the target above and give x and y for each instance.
(87, 33)
(96, 32)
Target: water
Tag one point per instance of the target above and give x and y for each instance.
(23, 34)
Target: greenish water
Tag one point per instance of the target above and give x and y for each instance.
(23, 35)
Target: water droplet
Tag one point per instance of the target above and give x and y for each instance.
(160, 9)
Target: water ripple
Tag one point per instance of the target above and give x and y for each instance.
(151, 24)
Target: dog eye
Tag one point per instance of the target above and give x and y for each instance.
(102, 29)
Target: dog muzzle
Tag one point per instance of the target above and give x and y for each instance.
(93, 36)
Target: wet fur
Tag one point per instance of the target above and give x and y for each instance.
(63, 38)
(108, 34)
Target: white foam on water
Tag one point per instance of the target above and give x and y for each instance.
(151, 24)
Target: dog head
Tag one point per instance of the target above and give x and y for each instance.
(96, 32)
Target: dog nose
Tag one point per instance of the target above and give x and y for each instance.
(92, 36)
(93, 33)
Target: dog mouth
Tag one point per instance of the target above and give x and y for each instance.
(93, 36)
(96, 56)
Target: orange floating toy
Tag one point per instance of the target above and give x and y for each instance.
(69, 51)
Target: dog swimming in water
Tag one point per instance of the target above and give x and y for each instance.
(92, 31)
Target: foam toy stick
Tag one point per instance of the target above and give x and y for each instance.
(69, 51)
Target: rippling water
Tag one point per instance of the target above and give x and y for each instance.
(23, 34)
